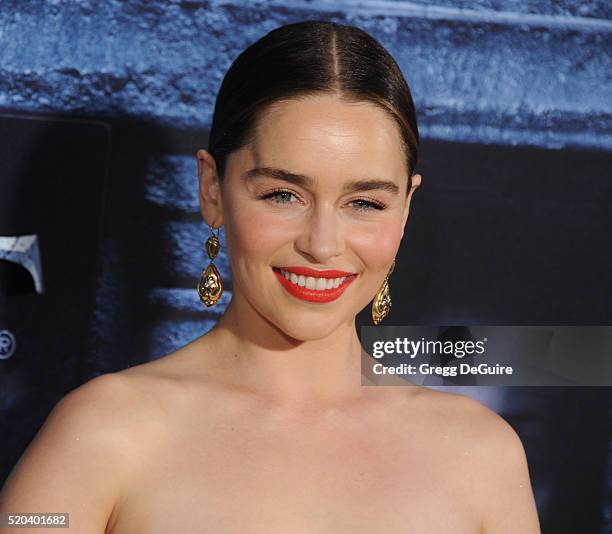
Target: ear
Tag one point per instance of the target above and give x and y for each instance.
(416, 182)
(209, 189)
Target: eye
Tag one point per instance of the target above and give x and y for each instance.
(367, 205)
(278, 194)
(282, 196)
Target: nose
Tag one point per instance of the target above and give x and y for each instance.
(322, 237)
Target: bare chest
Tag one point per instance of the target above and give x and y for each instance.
(262, 475)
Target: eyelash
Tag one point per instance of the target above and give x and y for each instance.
(371, 203)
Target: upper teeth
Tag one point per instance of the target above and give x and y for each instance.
(310, 282)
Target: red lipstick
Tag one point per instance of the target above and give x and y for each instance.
(313, 295)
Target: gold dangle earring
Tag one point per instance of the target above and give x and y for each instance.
(381, 306)
(210, 285)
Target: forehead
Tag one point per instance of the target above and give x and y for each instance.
(323, 135)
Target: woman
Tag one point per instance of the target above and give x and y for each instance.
(262, 424)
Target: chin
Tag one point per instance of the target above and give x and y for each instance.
(308, 330)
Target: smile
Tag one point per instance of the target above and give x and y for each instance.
(313, 289)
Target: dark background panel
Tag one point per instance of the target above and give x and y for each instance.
(507, 235)
(53, 175)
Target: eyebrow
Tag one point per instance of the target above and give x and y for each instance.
(369, 184)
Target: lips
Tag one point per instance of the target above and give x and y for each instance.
(306, 271)
(313, 295)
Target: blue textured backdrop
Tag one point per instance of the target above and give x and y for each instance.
(487, 71)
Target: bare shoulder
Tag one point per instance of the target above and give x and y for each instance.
(461, 414)
(493, 460)
(107, 405)
(479, 432)
(74, 463)
(102, 394)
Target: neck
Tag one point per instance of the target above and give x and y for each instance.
(257, 355)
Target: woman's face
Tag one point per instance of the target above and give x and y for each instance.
(317, 222)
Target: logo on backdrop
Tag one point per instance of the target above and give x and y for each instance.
(23, 250)
(8, 344)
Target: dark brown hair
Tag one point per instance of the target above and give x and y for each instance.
(303, 59)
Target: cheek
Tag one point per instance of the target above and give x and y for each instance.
(377, 244)
(253, 233)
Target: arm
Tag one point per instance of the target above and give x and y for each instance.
(72, 464)
(508, 504)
